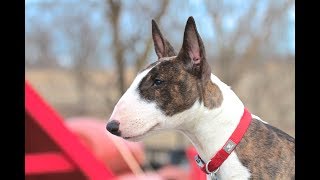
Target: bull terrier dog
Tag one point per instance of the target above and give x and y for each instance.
(179, 92)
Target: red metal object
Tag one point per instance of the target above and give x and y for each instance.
(37, 163)
(46, 132)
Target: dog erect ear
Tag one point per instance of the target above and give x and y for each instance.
(162, 47)
(193, 53)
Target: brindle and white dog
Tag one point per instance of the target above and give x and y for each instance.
(179, 92)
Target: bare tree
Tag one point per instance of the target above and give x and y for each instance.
(84, 48)
(120, 47)
(40, 53)
(81, 43)
(114, 14)
(141, 60)
(227, 44)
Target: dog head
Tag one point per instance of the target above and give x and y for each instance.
(168, 91)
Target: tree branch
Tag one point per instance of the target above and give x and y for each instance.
(141, 60)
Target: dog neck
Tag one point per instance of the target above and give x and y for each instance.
(209, 129)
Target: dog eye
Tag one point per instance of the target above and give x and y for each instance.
(157, 82)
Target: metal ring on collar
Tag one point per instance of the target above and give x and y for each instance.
(207, 170)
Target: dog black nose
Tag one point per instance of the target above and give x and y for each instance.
(113, 127)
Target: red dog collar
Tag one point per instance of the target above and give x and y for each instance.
(213, 165)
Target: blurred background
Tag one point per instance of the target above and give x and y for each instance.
(81, 55)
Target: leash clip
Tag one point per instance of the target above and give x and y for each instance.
(202, 164)
(213, 175)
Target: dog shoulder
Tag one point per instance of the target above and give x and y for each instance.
(267, 151)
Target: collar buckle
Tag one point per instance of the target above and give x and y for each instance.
(213, 175)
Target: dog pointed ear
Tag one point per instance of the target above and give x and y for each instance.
(193, 52)
(162, 47)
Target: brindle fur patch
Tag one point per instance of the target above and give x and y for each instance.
(212, 95)
(267, 152)
(179, 90)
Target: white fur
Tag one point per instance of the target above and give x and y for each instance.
(208, 129)
(258, 118)
(135, 115)
(233, 169)
(212, 128)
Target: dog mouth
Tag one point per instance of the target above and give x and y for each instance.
(138, 137)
